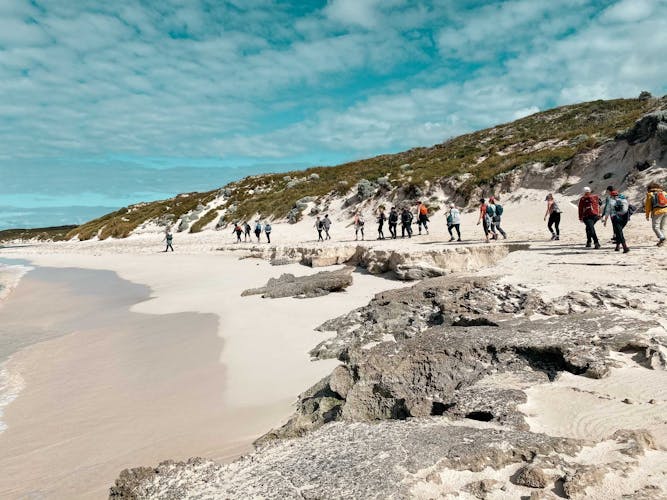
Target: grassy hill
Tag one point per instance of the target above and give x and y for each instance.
(550, 137)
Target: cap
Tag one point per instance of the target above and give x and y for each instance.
(587, 189)
(614, 193)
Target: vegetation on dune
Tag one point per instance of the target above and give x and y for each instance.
(548, 137)
(58, 233)
(121, 223)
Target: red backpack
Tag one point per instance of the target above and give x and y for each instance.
(591, 205)
(659, 200)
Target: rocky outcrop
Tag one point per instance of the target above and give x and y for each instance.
(403, 264)
(439, 348)
(389, 459)
(314, 285)
(430, 381)
(650, 125)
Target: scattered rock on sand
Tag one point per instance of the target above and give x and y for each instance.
(314, 285)
(530, 476)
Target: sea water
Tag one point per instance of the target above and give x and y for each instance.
(10, 384)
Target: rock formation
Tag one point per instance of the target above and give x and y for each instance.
(314, 285)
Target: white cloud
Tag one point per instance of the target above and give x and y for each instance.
(353, 12)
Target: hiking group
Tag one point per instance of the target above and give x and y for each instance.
(246, 231)
(614, 208)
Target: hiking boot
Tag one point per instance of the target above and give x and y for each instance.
(553, 237)
(597, 246)
(661, 242)
(452, 239)
(557, 238)
(618, 247)
(626, 250)
(588, 245)
(459, 239)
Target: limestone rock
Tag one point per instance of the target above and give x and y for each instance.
(350, 461)
(341, 381)
(314, 285)
(530, 476)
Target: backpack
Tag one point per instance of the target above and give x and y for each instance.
(659, 200)
(591, 206)
(320, 224)
(361, 221)
(499, 210)
(450, 219)
(490, 211)
(267, 228)
(258, 227)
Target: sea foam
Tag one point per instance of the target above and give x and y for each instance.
(11, 384)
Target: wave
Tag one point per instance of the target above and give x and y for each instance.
(11, 384)
(10, 276)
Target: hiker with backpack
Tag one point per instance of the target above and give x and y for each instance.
(406, 223)
(496, 212)
(319, 225)
(393, 222)
(327, 225)
(655, 207)
(589, 214)
(238, 230)
(485, 218)
(267, 231)
(454, 221)
(258, 229)
(422, 217)
(358, 226)
(607, 207)
(169, 238)
(381, 218)
(553, 212)
(246, 232)
(620, 214)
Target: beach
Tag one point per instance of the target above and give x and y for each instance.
(149, 358)
(138, 356)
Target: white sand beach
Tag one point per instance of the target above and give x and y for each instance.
(194, 369)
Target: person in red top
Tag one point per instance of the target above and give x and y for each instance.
(589, 214)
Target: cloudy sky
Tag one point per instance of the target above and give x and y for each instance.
(108, 103)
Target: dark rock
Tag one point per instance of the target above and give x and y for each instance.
(314, 285)
(650, 125)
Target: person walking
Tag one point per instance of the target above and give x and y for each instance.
(606, 207)
(327, 226)
(381, 218)
(497, 210)
(655, 207)
(238, 230)
(359, 226)
(589, 214)
(246, 232)
(258, 229)
(422, 217)
(267, 231)
(169, 238)
(393, 222)
(454, 222)
(406, 223)
(619, 218)
(553, 213)
(485, 218)
(319, 225)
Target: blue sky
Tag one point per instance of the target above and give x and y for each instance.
(108, 103)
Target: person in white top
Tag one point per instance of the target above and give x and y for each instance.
(454, 221)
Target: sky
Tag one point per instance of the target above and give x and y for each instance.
(103, 104)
